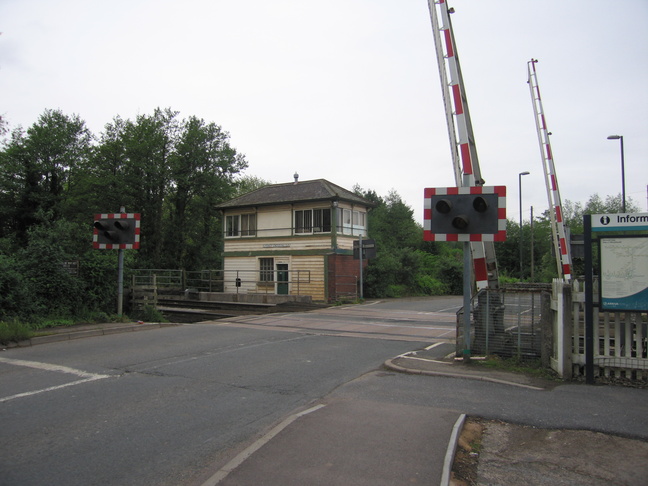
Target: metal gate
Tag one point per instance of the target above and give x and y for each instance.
(506, 321)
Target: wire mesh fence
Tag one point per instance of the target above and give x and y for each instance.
(505, 321)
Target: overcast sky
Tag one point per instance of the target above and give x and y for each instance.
(348, 90)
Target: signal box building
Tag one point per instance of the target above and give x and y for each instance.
(294, 239)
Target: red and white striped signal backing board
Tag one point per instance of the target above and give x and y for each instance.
(135, 218)
(428, 213)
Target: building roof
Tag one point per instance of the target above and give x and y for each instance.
(294, 192)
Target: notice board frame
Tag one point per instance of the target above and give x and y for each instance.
(618, 291)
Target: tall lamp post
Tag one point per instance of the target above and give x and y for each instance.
(520, 193)
(620, 137)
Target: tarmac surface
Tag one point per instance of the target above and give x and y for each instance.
(513, 454)
(339, 443)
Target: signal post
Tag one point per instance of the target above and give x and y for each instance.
(467, 214)
(117, 231)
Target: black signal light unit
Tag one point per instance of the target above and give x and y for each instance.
(473, 213)
(116, 231)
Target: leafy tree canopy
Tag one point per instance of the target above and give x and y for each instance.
(56, 175)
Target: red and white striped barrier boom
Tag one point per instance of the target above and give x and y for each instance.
(462, 143)
(561, 245)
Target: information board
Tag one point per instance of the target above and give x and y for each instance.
(624, 273)
(620, 222)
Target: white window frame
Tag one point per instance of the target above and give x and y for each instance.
(320, 225)
(240, 225)
(352, 221)
(303, 219)
(248, 224)
(309, 221)
(232, 226)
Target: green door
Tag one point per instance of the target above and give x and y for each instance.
(282, 278)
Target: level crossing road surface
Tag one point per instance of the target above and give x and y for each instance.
(173, 405)
(415, 319)
(235, 403)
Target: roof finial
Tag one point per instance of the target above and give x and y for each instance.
(296, 176)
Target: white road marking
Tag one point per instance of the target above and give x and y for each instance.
(449, 310)
(86, 377)
(239, 459)
(433, 346)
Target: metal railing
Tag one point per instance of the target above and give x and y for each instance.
(260, 281)
(205, 280)
(163, 277)
(346, 288)
(340, 230)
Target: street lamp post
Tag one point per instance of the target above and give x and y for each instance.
(520, 194)
(620, 137)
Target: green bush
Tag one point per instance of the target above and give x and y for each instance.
(99, 317)
(395, 291)
(150, 314)
(505, 280)
(429, 285)
(51, 322)
(15, 300)
(35, 286)
(53, 290)
(13, 331)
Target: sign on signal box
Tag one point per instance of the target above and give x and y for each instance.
(472, 213)
(368, 249)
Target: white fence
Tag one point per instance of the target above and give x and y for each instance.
(620, 338)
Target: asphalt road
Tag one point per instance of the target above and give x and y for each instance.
(162, 407)
(429, 319)
(175, 405)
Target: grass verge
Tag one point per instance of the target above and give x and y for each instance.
(14, 331)
(532, 367)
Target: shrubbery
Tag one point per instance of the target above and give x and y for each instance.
(55, 175)
(406, 265)
(13, 331)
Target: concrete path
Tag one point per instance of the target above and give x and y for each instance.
(350, 442)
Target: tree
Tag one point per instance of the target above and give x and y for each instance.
(37, 167)
(405, 264)
(174, 172)
(102, 186)
(248, 183)
(4, 126)
(56, 175)
(508, 252)
(203, 166)
(392, 224)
